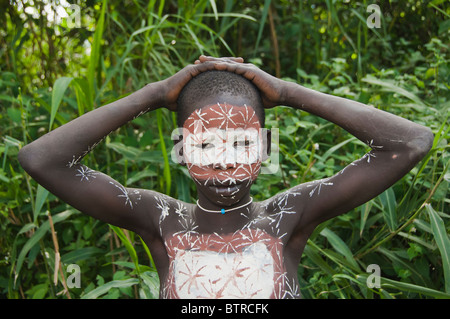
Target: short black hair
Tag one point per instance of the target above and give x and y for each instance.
(210, 83)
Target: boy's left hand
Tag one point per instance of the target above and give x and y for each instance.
(273, 90)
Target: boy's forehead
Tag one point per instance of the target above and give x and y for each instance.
(223, 116)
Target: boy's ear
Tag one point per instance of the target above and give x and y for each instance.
(267, 143)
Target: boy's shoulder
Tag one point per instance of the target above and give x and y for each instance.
(286, 207)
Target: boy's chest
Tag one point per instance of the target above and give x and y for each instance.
(245, 264)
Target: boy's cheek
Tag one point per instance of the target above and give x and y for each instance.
(242, 173)
(222, 155)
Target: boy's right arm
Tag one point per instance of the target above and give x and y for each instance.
(54, 160)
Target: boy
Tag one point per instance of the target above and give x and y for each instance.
(226, 245)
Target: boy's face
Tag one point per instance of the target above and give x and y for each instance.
(222, 147)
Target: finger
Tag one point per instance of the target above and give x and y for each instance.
(233, 59)
(201, 67)
(239, 60)
(204, 58)
(225, 66)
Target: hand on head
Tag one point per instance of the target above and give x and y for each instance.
(270, 87)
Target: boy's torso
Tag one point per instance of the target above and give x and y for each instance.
(251, 261)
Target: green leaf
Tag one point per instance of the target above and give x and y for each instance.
(389, 203)
(81, 88)
(59, 88)
(97, 292)
(40, 232)
(129, 152)
(167, 175)
(339, 245)
(312, 253)
(14, 114)
(365, 210)
(262, 22)
(81, 254)
(404, 286)
(95, 56)
(151, 283)
(128, 245)
(391, 87)
(335, 148)
(442, 241)
(214, 7)
(41, 197)
(407, 266)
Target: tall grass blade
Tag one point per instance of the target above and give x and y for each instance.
(59, 88)
(408, 287)
(79, 254)
(387, 199)
(262, 22)
(442, 241)
(333, 149)
(81, 88)
(95, 56)
(340, 246)
(41, 197)
(418, 277)
(391, 87)
(103, 289)
(162, 143)
(40, 232)
(312, 253)
(214, 8)
(128, 245)
(152, 263)
(365, 211)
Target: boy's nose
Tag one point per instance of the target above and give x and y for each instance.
(225, 159)
(222, 163)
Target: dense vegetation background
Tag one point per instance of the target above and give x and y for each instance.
(58, 62)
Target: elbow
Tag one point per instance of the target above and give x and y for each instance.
(27, 159)
(421, 144)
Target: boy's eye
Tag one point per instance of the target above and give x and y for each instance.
(204, 146)
(242, 143)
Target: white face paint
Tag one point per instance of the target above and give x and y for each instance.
(223, 147)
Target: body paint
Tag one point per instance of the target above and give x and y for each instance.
(131, 196)
(215, 266)
(222, 145)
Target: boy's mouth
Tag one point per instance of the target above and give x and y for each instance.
(229, 190)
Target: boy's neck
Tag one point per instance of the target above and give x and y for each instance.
(227, 222)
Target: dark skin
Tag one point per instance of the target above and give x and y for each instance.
(397, 146)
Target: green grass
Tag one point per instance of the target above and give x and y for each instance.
(47, 78)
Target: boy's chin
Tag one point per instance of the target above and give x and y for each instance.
(225, 195)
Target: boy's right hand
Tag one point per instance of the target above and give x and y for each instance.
(170, 88)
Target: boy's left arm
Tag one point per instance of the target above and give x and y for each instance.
(397, 144)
